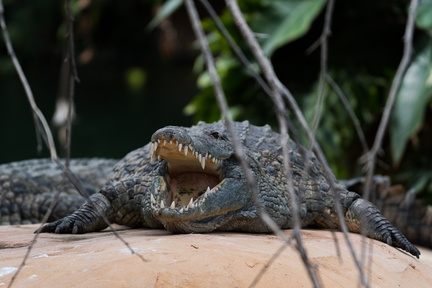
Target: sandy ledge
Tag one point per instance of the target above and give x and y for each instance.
(198, 260)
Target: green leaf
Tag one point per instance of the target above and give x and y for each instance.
(287, 21)
(167, 9)
(411, 101)
(424, 15)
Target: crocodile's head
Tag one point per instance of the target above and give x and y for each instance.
(198, 182)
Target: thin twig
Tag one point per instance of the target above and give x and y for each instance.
(272, 78)
(238, 52)
(268, 264)
(220, 96)
(37, 114)
(235, 48)
(73, 77)
(276, 97)
(324, 59)
(327, 172)
(34, 240)
(351, 112)
(370, 157)
(46, 135)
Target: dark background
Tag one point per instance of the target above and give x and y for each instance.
(113, 118)
(134, 81)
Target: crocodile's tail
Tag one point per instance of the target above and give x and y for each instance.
(27, 188)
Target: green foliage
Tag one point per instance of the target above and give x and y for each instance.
(364, 53)
(424, 19)
(336, 133)
(414, 94)
(276, 23)
(285, 21)
(167, 9)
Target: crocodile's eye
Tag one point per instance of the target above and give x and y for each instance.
(216, 135)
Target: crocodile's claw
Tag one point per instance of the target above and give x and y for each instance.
(84, 220)
(364, 215)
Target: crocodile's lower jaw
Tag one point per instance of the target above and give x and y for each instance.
(183, 202)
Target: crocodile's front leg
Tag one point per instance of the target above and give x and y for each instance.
(362, 216)
(120, 202)
(86, 219)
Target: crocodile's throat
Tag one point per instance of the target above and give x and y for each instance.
(186, 181)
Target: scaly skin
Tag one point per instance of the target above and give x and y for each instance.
(27, 188)
(164, 184)
(412, 216)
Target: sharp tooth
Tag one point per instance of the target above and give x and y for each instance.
(208, 190)
(159, 141)
(152, 199)
(191, 205)
(199, 157)
(172, 207)
(164, 142)
(202, 160)
(154, 146)
(206, 155)
(181, 210)
(186, 149)
(180, 147)
(162, 205)
(171, 141)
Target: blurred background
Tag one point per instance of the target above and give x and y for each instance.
(136, 77)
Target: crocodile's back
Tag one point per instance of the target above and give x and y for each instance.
(26, 188)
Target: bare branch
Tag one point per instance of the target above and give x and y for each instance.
(73, 76)
(238, 52)
(371, 156)
(324, 59)
(45, 133)
(40, 121)
(269, 263)
(276, 87)
(220, 96)
(351, 112)
(276, 97)
(235, 48)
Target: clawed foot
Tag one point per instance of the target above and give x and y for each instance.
(84, 220)
(364, 215)
(66, 225)
(395, 238)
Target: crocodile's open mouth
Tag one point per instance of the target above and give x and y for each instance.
(188, 178)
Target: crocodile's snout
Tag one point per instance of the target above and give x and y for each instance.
(171, 133)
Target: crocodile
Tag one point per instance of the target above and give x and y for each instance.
(188, 180)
